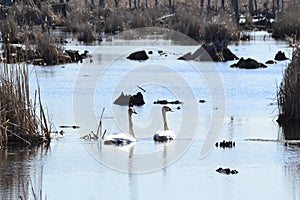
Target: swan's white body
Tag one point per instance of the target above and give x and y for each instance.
(166, 134)
(122, 138)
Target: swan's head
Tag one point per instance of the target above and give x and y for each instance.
(167, 109)
(131, 110)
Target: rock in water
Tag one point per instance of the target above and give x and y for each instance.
(271, 62)
(249, 63)
(210, 52)
(139, 55)
(280, 56)
(126, 100)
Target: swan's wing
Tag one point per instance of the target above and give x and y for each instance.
(120, 136)
(125, 136)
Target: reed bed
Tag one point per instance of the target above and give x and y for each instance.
(22, 122)
(288, 95)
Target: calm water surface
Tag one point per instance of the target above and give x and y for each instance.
(72, 168)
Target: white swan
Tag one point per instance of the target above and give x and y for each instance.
(122, 138)
(166, 134)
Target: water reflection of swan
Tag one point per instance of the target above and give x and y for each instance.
(122, 138)
(166, 134)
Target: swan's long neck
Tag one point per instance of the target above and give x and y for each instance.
(165, 120)
(130, 124)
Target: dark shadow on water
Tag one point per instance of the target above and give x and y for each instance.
(16, 172)
(291, 132)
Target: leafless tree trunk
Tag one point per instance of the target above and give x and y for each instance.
(235, 6)
(102, 3)
(223, 4)
(117, 3)
(250, 7)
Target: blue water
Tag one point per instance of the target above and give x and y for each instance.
(76, 93)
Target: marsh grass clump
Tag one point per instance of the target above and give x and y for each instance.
(48, 50)
(9, 30)
(22, 122)
(288, 95)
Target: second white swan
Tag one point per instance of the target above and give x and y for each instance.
(166, 134)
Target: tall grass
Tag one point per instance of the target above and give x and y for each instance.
(288, 95)
(287, 23)
(22, 121)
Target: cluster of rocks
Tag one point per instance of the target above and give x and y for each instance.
(227, 171)
(225, 144)
(164, 102)
(133, 100)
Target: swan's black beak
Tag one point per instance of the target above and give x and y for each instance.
(134, 112)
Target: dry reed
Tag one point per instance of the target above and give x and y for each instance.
(21, 121)
(288, 95)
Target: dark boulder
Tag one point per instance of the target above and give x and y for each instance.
(137, 99)
(249, 63)
(129, 100)
(139, 55)
(209, 52)
(280, 56)
(271, 62)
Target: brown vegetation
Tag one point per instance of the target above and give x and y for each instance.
(287, 24)
(21, 120)
(288, 95)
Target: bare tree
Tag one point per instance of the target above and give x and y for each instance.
(208, 5)
(250, 5)
(223, 4)
(102, 3)
(201, 4)
(255, 5)
(235, 6)
(117, 3)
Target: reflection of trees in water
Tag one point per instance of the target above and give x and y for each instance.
(17, 167)
(292, 172)
(291, 132)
